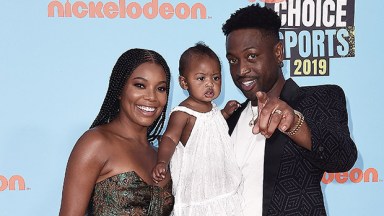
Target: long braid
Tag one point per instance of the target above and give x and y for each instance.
(155, 129)
(121, 72)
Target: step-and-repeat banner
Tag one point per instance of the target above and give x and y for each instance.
(56, 57)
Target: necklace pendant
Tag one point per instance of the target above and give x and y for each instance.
(251, 123)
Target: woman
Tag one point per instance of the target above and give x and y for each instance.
(109, 169)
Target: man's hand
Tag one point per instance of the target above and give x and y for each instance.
(272, 113)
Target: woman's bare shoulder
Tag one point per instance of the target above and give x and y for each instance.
(93, 144)
(94, 136)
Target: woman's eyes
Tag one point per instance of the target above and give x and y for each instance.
(139, 85)
(142, 86)
(162, 89)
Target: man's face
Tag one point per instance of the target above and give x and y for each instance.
(253, 60)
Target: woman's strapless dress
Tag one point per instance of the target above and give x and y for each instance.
(128, 194)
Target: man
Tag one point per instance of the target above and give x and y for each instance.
(285, 136)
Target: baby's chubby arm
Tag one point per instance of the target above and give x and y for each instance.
(168, 143)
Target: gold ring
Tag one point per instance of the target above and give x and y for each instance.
(277, 111)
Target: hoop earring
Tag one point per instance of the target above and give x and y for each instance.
(281, 64)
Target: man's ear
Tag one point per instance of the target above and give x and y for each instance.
(279, 51)
(183, 82)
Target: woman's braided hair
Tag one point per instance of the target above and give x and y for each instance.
(121, 72)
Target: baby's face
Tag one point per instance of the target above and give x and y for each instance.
(203, 79)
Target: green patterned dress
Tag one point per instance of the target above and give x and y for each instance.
(128, 194)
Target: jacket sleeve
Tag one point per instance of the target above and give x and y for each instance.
(324, 109)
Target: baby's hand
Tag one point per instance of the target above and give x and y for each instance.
(231, 107)
(159, 172)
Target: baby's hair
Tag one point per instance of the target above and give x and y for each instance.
(121, 72)
(200, 50)
(254, 16)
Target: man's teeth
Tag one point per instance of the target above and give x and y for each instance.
(147, 109)
(248, 83)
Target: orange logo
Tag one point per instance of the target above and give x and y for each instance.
(268, 1)
(133, 10)
(272, 1)
(356, 175)
(11, 183)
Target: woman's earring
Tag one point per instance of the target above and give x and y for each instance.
(281, 64)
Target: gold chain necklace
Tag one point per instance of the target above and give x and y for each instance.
(252, 122)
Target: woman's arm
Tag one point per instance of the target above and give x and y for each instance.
(83, 169)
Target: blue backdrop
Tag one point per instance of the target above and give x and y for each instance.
(56, 58)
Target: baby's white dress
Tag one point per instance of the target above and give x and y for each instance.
(206, 178)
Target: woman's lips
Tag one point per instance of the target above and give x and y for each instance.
(146, 110)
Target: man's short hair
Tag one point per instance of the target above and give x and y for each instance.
(254, 16)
